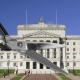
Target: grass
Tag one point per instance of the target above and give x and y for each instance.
(76, 72)
(18, 77)
(5, 70)
(1, 75)
(63, 77)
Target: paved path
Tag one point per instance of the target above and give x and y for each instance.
(8, 77)
(41, 77)
(72, 77)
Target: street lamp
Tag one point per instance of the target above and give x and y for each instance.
(8, 66)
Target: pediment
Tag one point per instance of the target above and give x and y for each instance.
(41, 34)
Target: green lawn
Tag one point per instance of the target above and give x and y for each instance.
(1, 75)
(63, 77)
(18, 77)
(76, 72)
(5, 70)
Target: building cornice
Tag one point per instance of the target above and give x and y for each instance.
(68, 38)
(41, 28)
(73, 38)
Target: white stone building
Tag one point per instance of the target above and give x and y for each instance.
(66, 58)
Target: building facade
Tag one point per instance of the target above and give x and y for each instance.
(65, 58)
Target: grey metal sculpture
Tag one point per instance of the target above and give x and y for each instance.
(28, 48)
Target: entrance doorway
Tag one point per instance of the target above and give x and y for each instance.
(27, 65)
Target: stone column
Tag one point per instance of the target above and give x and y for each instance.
(31, 65)
(45, 54)
(58, 54)
(51, 52)
(37, 65)
(24, 64)
(64, 56)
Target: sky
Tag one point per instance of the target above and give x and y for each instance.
(13, 13)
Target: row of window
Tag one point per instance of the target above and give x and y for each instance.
(54, 41)
(8, 57)
(74, 49)
(74, 43)
(14, 64)
(74, 57)
(74, 63)
(21, 57)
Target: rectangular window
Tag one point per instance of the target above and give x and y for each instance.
(67, 43)
(47, 55)
(74, 64)
(14, 64)
(15, 56)
(34, 65)
(41, 66)
(67, 64)
(41, 40)
(47, 40)
(74, 49)
(8, 56)
(21, 56)
(34, 40)
(74, 57)
(54, 54)
(21, 64)
(74, 43)
(67, 57)
(28, 40)
(1, 57)
(67, 49)
(54, 41)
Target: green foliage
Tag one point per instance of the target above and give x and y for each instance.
(18, 77)
(63, 77)
(76, 72)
